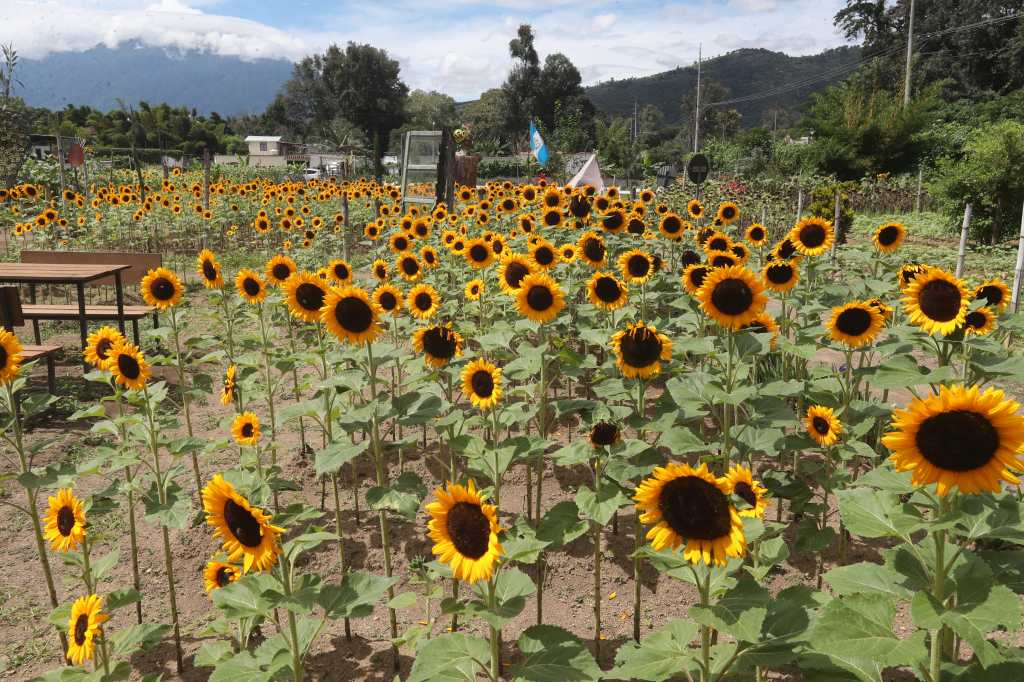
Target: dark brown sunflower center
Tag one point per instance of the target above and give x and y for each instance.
(552, 218)
(242, 524)
(939, 300)
(381, 272)
(820, 425)
(209, 271)
(780, 273)
(991, 293)
(579, 206)
(723, 260)
(162, 289)
(607, 289)
(428, 256)
(469, 529)
(636, 226)
(224, 576)
(640, 347)
(281, 271)
(854, 321)
(482, 383)
(813, 235)
(732, 296)
(423, 301)
(756, 234)
(718, 244)
(745, 493)
(387, 300)
(4, 355)
(975, 319)
(440, 343)
(696, 210)
(401, 243)
(251, 286)
(497, 246)
(671, 224)
(593, 249)
(309, 296)
(697, 276)
(689, 257)
(694, 508)
(65, 520)
(728, 212)
(957, 440)
(353, 314)
(613, 221)
(514, 274)
(604, 433)
(341, 271)
(786, 249)
(247, 430)
(888, 235)
(544, 255)
(478, 253)
(638, 266)
(81, 627)
(128, 366)
(410, 266)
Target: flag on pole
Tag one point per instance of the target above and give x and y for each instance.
(537, 146)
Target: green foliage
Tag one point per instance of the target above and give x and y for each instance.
(823, 204)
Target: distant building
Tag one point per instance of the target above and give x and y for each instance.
(269, 150)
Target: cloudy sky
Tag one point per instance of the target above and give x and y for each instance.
(456, 46)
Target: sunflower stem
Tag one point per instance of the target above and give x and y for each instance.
(938, 592)
(129, 483)
(495, 635)
(270, 398)
(185, 403)
(286, 581)
(727, 409)
(295, 384)
(595, 528)
(704, 589)
(637, 526)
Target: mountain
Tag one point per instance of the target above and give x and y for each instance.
(742, 72)
(134, 72)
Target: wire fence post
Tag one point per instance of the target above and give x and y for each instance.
(917, 199)
(1018, 271)
(962, 252)
(836, 231)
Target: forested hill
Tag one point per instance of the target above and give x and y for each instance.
(742, 72)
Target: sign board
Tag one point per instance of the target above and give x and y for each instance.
(697, 169)
(76, 155)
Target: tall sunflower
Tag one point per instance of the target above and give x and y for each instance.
(979, 322)
(408, 266)
(812, 236)
(780, 275)
(640, 350)
(544, 254)
(218, 574)
(65, 521)
(351, 316)
(855, 324)
(728, 213)
(10, 356)
(423, 301)
(960, 438)
(250, 286)
(481, 382)
(465, 530)
(671, 226)
(757, 235)
(305, 295)
(227, 393)
(98, 345)
(85, 624)
(717, 242)
(995, 293)
(209, 270)
(592, 249)
(380, 270)
(474, 289)
(936, 301)
(691, 506)
(161, 288)
(742, 485)
(695, 209)
(539, 298)
(604, 434)
(606, 292)
(478, 254)
(732, 296)
(339, 271)
(439, 344)
(636, 266)
(245, 531)
(823, 425)
(129, 367)
(389, 298)
(888, 237)
(279, 269)
(245, 428)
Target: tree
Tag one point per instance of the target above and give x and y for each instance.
(430, 110)
(486, 117)
(520, 88)
(15, 120)
(714, 120)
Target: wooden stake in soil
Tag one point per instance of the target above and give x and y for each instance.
(1018, 271)
(961, 254)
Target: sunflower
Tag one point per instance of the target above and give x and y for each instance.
(741, 252)
(995, 293)
(908, 273)
(245, 531)
(694, 276)
(409, 268)
(592, 249)
(126, 362)
(888, 237)
(742, 485)
(780, 275)
(552, 198)
(637, 266)
(305, 294)
(399, 242)
(785, 250)
(812, 236)
(339, 271)
(218, 574)
(85, 624)
(246, 429)
(979, 322)
(757, 235)
(732, 296)
(474, 288)
(823, 425)
(720, 259)
(428, 254)
(161, 288)
(98, 345)
(439, 344)
(855, 324)
(250, 286)
(423, 301)
(65, 521)
(390, 299)
(639, 350)
(227, 393)
(544, 254)
(691, 506)
(481, 382)
(279, 269)
(478, 253)
(567, 253)
(728, 213)
(350, 315)
(604, 434)
(717, 242)
(10, 356)
(883, 309)
(380, 270)
(695, 209)
(936, 301)
(465, 530)
(514, 269)
(614, 221)
(539, 298)
(209, 270)
(687, 258)
(606, 292)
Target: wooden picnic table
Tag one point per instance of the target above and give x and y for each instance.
(77, 275)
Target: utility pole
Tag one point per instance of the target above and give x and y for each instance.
(910, 52)
(696, 112)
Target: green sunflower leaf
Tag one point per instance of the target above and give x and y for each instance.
(553, 655)
(453, 657)
(660, 655)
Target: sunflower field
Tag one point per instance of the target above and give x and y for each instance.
(544, 434)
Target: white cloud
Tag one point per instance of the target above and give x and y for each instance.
(459, 46)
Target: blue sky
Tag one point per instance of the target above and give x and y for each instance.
(457, 46)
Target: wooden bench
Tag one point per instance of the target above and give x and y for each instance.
(11, 317)
(141, 263)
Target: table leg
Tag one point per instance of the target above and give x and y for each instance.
(83, 324)
(119, 291)
(35, 323)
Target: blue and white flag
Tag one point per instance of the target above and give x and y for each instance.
(537, 146)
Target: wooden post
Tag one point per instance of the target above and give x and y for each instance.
(962, 253)
(1018, 272)
(60, 168)
(836, 228)
(85, 173)
(206, 178)
(917, 201)
(348, 230)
